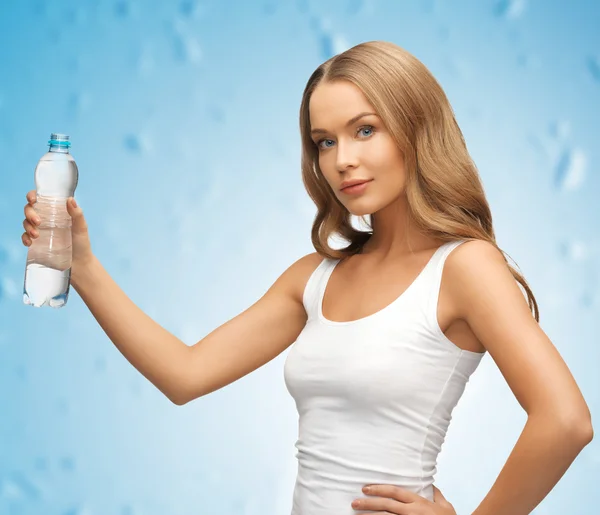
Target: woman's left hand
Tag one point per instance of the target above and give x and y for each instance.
(393, 500)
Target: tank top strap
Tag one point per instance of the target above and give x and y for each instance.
(314, 286)
(435, 279)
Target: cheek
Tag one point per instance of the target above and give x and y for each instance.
(383, 155)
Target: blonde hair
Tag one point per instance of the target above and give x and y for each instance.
(445, 195)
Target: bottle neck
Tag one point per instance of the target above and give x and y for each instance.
(61, 149)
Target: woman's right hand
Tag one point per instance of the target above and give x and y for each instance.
(82, 250)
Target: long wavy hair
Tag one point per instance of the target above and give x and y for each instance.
(445, 195)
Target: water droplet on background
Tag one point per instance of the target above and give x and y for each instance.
(510, 9)
(570, 171)
(122, 8)
(187, 48)
(67, 463)
(560, 130)
(136, 143)
(78, 510)
(355, 7)
(330, 43)
(189, 8)
(593, 65)
(79, 103)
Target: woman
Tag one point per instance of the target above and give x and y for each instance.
(387, 330)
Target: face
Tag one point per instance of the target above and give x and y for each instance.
(355, 148)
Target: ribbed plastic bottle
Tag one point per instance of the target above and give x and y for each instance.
(48, 268)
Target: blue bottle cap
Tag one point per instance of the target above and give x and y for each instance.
(59, 139)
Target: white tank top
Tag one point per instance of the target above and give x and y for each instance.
(374, 395)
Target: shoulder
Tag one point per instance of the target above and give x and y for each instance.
(484, 291)
(477, 273)
(476, 253)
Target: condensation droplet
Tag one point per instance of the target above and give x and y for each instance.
(78, 510)
(79, 102)
(269, 9)
(575, 251)
(528, 61)
(67, 463)
(588, 298)
(570, 170)
(132, 143)
(188, 8)
(187, 48)
(302, 6)
(593, 64)
(354, 7)
(136, 143)
(3, 255)
(122, 8)
(73, 14)
(510, 9)
(326, 44)
(216, 113)
(17, 486)
(330, 43)
(560, 130)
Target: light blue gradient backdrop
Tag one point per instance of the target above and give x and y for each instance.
(184, 122)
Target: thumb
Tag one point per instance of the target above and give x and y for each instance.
(76, 214)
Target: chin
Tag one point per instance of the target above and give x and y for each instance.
(359, 210)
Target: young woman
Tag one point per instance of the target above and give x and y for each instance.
(386, 331)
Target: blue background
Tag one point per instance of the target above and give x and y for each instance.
(183, 118)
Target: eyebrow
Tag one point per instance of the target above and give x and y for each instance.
(348, 123)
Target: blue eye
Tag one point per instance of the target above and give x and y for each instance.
(364, 127)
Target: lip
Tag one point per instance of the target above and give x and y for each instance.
(355, 186)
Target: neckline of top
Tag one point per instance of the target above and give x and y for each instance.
(385, 308)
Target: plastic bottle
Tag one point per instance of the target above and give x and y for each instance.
(48, 268)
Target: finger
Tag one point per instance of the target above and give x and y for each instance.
(30, 229)
(26, 239)
(76, 213)
(31, 197)
(392, 491)
(31, 215)
(381, 504)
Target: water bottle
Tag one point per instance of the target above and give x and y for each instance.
(48, 268)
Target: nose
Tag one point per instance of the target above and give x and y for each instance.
(346, 156)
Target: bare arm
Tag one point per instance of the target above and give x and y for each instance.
(231, 351)
(255, 336)
(159, 355)
(559, 421)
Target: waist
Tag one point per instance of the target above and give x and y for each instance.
(323, 492)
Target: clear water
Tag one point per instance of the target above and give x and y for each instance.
(46, 286)
(48, 269)
(49, 258)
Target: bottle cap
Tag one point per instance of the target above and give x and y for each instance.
(59, 139)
